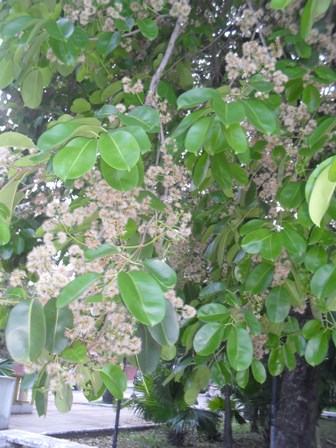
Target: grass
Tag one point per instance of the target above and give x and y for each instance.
(156, 438)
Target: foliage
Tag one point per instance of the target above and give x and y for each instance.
(6, 367)
(165, 404)
(167, 189)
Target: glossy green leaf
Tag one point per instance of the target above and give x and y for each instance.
(258, 371)
(215, 141)
(221, 171)
(212, 290)
(213, 312)
(186, 122)
(253, 241)
(32, 89)
(26, 331)
(311, 97)
(271, 246)
(66, 51)
(220, 373)
(40, 394)
(143, 116)
(76, 353)
(323, 282)
(291, 195)
(239, 349)
(148, 28)
(15, 139)
(196, 96)
(260, 116)
(163, 274)
(76, 288)
(61, 29)
(311, 12)
(280, 4)
(167, 331)
(242, 378)
(293, 241)
(315, 258)
(201, 169)
(119, 149)
(101, 251)
(4, 232)
(108, 42)
(208, 338)
(168, 352)
(229, 113)
(317, 348)
(57, 321)
(323, 130)
(17, 25)
(149, 356)
(260, 278)
(236, 138)
(64, 398)
(142, 296)
(80, 105)
(121, 180)
(252, 322)
(289, 356)
(276, 362)
(6, 74)
(141, 137)
(196, 134)
(76, 158)
(278, 304)
(311, 328)
(319, 190)
(114, 379)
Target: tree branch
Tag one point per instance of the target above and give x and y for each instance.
(150, 99)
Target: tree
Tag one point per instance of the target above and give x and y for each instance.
(155, 165)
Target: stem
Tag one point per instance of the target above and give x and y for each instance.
(150, 99)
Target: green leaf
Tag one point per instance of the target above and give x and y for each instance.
(220, 373)
(319, 190)
(212, 290)
(291, 195)
(119, 149)
(57, 320)
(5, 234)
(64, 398)
(221, 171)
(278, 304)
(201, 169)
(15, 139)
(276, 362)
(311, 12)
(208, 338)
(76, 288)
(239, 349)
(252, 322)
(311, 97)
(142, 296)
(66, 51)
(76, 353)
(122, 180)
(60, 30)
(325, 73)
(229, 113)
(258, 371)
(32, 89)
(242, 378)
(260, 116)
(236, 138)
(144, 116)
(149, 356)
(166, 332)
(321, 131)
(280, 4)
(215, 141)
(196, 96)
(101, 251)
(148, 28)
(17, 25)
(289, 356)
(76, 158)
(253, 241)
(114, 379)
(260, 278)
(213, 312)
(317, 348)
(271, 246)
(186, 122)
(162, 273)
(105, 111)
(323, 282)
(315, 258)
(6, 73)
(26, 331)
(293, 241)
(141, 137)
(311, 328)
(81, 105)
(196, 134)
(108, 42)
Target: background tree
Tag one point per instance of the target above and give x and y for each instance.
(154, 166)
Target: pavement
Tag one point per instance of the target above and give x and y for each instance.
(84, 416)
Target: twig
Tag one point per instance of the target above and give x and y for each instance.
(150, 99)
(261, 35)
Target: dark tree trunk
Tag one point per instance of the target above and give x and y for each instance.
(298, 412)
(228, 441)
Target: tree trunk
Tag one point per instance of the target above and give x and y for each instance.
(298, 413)
(228, 441)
